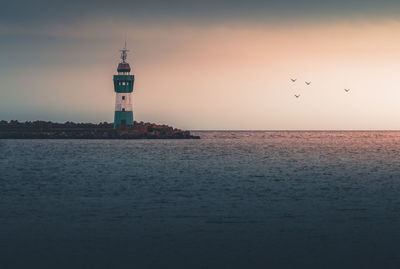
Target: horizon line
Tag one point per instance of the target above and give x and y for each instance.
(300, 130)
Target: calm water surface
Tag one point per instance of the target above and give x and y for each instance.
(229, 200)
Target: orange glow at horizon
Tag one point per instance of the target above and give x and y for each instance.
(238, 77)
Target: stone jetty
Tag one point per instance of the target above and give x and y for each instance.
(70, 130)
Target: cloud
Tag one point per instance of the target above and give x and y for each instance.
(56, 12)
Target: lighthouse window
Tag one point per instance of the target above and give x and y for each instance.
(123, 97)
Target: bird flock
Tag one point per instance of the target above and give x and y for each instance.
(308, 83)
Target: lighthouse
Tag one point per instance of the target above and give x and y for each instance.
(123, 87)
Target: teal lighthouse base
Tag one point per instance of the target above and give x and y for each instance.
(123, 87)
(123, 118)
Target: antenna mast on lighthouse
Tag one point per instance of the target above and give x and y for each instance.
(124, 54)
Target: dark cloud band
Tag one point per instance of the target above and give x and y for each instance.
(58, 12)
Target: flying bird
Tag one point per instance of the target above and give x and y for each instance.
(346, 90)
(297, 95)
(308, 83)
(293, 79)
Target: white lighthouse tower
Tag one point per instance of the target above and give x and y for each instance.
(123, 87)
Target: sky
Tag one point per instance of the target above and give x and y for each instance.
(205, 65)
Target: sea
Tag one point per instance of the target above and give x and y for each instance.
(282, 199)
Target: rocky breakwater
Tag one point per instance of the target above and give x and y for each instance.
(70, 130)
